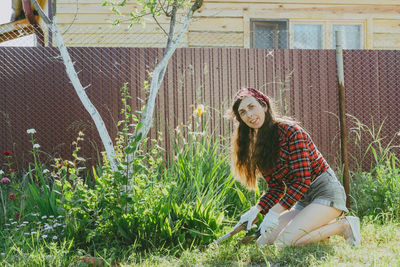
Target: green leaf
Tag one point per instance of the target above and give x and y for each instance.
(241, 196)
(122, 231)
(96, 177)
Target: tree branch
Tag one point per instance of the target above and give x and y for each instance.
(154, 17)
(41, 13)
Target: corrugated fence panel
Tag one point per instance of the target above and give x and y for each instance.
(36, 92)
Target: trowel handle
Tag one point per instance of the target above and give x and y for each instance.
(234, 231)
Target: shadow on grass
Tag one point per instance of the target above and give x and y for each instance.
(315, 254)
(251, 255)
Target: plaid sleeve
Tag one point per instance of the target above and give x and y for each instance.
(276, 189)
(300, 168)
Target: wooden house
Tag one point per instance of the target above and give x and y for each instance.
(310, 24)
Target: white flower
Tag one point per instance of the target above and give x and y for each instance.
(27, 233)
(3, 254)
(398, 134)
(1, 172)
(36, 146)
(44, 217)
(31, 131)
(55, 237)
(197, 133)
(44, 236)
(45, 171)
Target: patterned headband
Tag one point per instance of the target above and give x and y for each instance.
(254, 93)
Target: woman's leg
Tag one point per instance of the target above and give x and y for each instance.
(311, 218)
(337, 227)
(349, 228)
(284, 219)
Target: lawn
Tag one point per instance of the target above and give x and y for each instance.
(380, 247)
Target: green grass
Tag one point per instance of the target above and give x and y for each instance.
(380, 247)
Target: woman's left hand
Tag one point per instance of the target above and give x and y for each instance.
(270, 222)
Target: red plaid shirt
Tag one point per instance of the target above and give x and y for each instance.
(298, 164)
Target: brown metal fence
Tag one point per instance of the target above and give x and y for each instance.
(36, 93)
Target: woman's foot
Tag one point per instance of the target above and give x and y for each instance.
(352, 234)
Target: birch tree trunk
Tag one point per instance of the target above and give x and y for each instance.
(73, 76)
(159, 71)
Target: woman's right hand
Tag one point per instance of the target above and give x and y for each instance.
(249, 218)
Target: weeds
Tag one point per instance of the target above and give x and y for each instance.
(377, 147)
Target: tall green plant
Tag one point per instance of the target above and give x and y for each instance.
(43, 193)
(377, 194)
(371, 137)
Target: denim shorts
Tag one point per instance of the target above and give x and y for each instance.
(326, 190)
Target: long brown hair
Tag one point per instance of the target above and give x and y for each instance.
(254, 155)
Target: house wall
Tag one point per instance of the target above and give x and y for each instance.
(227, 23)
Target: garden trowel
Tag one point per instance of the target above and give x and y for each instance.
(236, 230)
(249, 238)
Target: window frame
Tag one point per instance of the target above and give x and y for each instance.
(327, 30)
(315, 24)
(253, 21)
(362, 41)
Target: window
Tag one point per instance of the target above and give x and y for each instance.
(321, 34)
(351, 36)
(269, 34)
(307, 36)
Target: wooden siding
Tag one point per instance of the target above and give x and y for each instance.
(227, 23)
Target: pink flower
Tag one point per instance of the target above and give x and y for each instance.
(11, 196)
(11, 170)
(7, 153)
(17, 216)
(5, 180)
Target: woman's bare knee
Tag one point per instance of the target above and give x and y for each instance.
(309, 219)
(288, 238)
(284, 219)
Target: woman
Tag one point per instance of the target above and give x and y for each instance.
(304, 197)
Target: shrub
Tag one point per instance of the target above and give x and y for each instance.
(378, 192)
(145, 205)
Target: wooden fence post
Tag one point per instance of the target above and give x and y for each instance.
(342, 116)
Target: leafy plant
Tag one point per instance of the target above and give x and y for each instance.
(377, 193)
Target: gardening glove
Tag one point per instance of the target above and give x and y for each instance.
(270, 222)
(249, 218)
